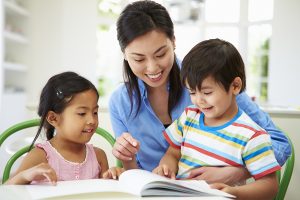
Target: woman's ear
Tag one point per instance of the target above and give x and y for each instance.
(236, 85)
(52, 118)
(174, 42)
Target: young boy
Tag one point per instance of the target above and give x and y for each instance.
(214, 131)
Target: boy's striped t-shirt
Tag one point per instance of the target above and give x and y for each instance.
(239, 142)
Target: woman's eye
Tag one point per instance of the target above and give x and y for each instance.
(138, 60)
(161, 55)
(81, 114)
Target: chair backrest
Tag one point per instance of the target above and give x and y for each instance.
(285, 177)
(31, 123)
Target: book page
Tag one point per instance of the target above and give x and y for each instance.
(134, 180)
(64, 188)
(144, 183)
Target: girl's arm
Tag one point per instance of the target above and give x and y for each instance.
(33, 167)
(168, 165)
(106, 172)
(102, 160)
(262, 189)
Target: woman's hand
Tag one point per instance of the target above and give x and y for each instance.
(225, 188)
(113, 173)
(228, 175)
(164, 170)
(39, 172)
(125, 147)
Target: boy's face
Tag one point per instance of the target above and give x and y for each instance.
(218, 105)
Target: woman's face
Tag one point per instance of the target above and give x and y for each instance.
(151, 57)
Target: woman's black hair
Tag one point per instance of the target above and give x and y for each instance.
(139, 18)
(56, 95)
(217, 58)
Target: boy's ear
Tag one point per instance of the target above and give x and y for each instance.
(52, 118)
(237, 85)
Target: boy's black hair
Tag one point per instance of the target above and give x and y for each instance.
(56, 95)
(139, 18)
(215, 57)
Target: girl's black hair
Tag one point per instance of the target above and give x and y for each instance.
(216, 58)
(139, 18)
(56, 95)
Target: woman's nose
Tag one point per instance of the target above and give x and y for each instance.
(152, 66)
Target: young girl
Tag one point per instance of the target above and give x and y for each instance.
(69, 114)
(215, 131)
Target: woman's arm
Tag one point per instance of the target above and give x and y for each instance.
(262, 189)
(280, 143)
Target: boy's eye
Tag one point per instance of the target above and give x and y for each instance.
(207, 93)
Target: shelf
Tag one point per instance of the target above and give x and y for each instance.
(15, 37)
(15, 8)
(14, 66)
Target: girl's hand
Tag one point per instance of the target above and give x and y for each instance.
(125, 147)
(228, 175)
(39, 172)
(113, 173)
(164, 170)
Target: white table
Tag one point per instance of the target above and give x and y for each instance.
(14, 192)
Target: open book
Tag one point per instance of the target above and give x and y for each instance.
(136, 182)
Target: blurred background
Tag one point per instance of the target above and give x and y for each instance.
(40, 38)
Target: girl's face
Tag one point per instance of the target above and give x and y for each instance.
(218, 105)
(78, 122)
(151, 57)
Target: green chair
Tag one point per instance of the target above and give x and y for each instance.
(32, 123)
(285, 177)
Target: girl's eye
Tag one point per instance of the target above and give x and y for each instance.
(95, 113)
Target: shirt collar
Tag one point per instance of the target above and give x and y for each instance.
(143, 89)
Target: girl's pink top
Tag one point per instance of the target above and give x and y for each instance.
(67, 170)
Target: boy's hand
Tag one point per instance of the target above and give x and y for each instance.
(113, 173)
(164, 170)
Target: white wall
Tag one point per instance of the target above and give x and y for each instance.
(284, 68)
(62, 37)
(1, 51)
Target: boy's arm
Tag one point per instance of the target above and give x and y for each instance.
(264, 188)
(168, 165)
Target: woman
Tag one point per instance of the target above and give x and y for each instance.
(152, 95)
